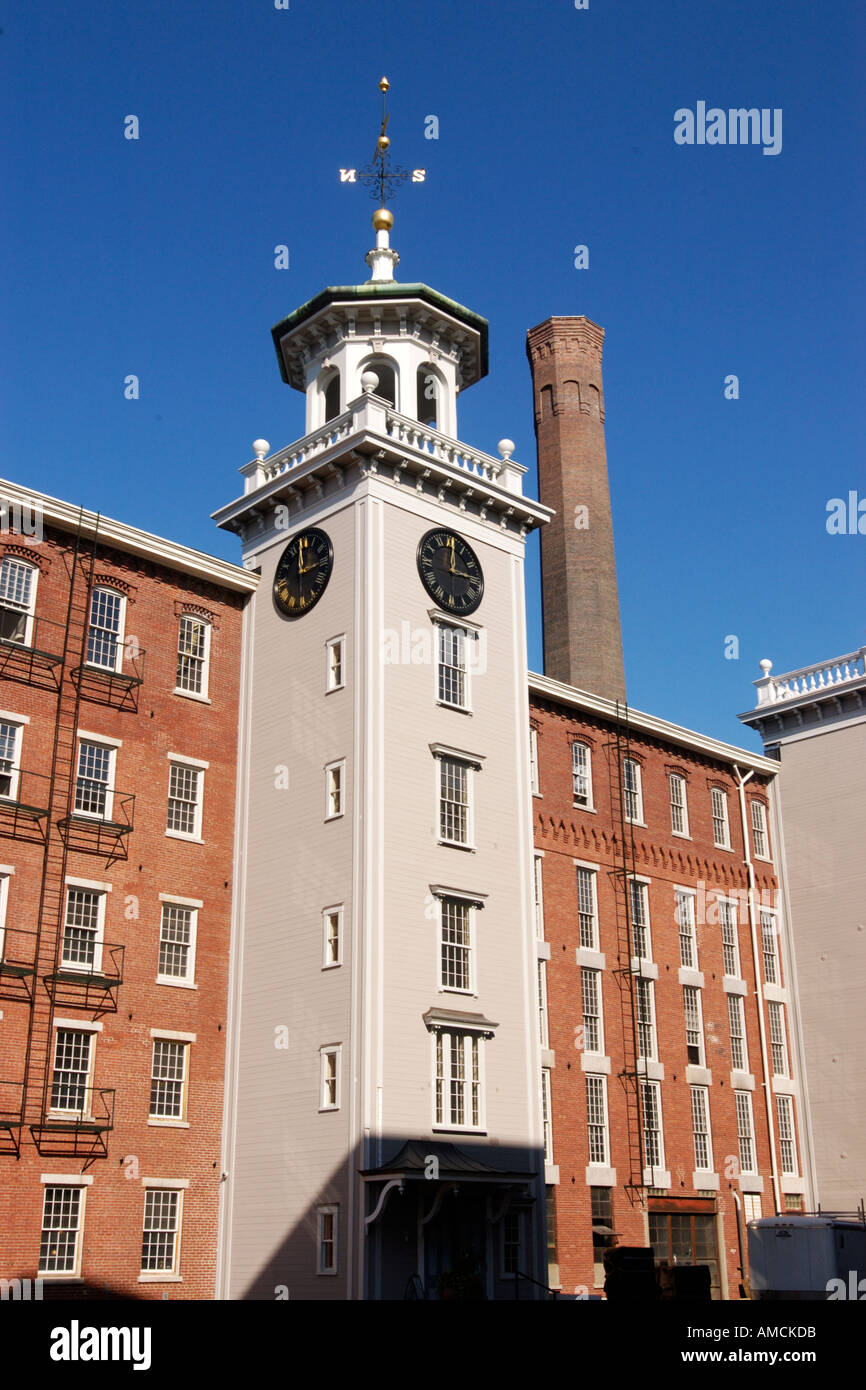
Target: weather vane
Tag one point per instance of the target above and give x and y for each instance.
(381, 176)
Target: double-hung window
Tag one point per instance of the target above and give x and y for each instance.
(632, 792)
(737, 1025)
(457, 1080)
(168, 1079)
(730, 943)
(94, 782)
(456, 931)
(81, 947)
(455, 782)
(335, 789)
(759, 830)
(787, 1145)
(679, 805)
(653, 1139)
(534, 786)
(587, 909)
(721, 828)
(177, 934)
(701, 1128)
(62, 1229)
(452, 665)
(193, 656)
(546, 1115)
(185, 790)
(778, 1039)
(332, 936)
(329, 1077)
(745, 1131)
(105, 630)
(640, 922)
(10, 759)
(581, 775)
(769, 947)
(327, 1229)
(593, 1022)
(685, 914)
(70, 1081)
(596, 1120)
(17, 600)
(646, 1020)
(160, 1244)
(694, 1026)
(335, 677)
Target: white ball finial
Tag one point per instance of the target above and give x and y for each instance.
(766, 666)
(369, 381)
(261, 447)
(506, 448)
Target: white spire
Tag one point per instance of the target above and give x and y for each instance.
(382, 260)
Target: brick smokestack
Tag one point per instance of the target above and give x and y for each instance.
(580, 606)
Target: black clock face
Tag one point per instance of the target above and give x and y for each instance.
(450, 571)
(303, 572)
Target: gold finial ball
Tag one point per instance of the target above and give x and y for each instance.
(383, 142)
(383, 220)
(384, 85)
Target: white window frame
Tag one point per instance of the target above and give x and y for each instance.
(584, 771)
(28, 611)
(93, 741)
(333, 1211)
(100, 892)
(769, 920)
(635, 882)
(204, 659)
(728, 917)
(470, 767)
(687, 928)
(17, 723)
(778, 1032)
(676, 779)
(191, 905)
(692, 992)
(6, 872)
(546, 1115)
(453, 1037)
(636, 792)
(760, 831)
(599, 1084)
(327, 1051)
(85, 1111)
(335, 790)
(64, 1185)
(592, 992)
(186, 1049)
(736, 1009)
(163, 1188)
(787, 1135)
(541, 973)
(335, 663)
(538, 892)
(118, 637)
(470, 904)
(652, 1088)
(199, 768)
(465, 636)
(745, 1130)
(592, 880)
(719, 798)
(534, 784)
(752, 1206)
(649, 993)
(334, 911)
(703, 1093)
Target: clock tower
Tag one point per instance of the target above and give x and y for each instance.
(385, 1128)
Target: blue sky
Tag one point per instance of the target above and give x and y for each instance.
(556, 128)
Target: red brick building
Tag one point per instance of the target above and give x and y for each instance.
(119, 662)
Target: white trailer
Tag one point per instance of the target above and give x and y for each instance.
(808, 1257)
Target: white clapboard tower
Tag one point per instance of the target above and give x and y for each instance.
(385, 1133)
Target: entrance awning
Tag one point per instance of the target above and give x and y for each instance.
(452, 1165)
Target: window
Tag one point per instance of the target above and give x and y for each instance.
(326, 1240)
(105, 635)
(455, 944)
(745, 1131)
(185, 800)
(596, 1120)
(546, 1113)
(645, 1010)
(458, 1080)
(10, 753)
(5, 876)
(159, 1245)
(686, 1238)
(633, 796)
(452, 677)
(694, 1030)
(550, 1222)
(778, 1042)
(386, 389)
(721, 830)
(603, 1234)
(769, 947)
(17, 600)
(334, 775)
(701, 1128)
(653, 1140)
(679, 807)
(332, 924)
(177, 933)
(81, 947)
(752, 1206)
(329, 1096)
(759, 829)
(541, 966)
(193, 653)
(793, 1201)
(685, 913)
(533, 762)
(511, 1242)
(730, 944)
(168, 1079)
(587, 915)
(93, 783)
(787, 1147)
(581, 775)
(332, 398)
(453, 801)
(640, 926)
(593, 1027)
(736, 1020)
(62, 1225)
(335, 657)
(538, 896)
(427, 385)
(70, 1090)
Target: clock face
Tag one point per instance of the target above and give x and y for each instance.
(450, 571)
(303, 572)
